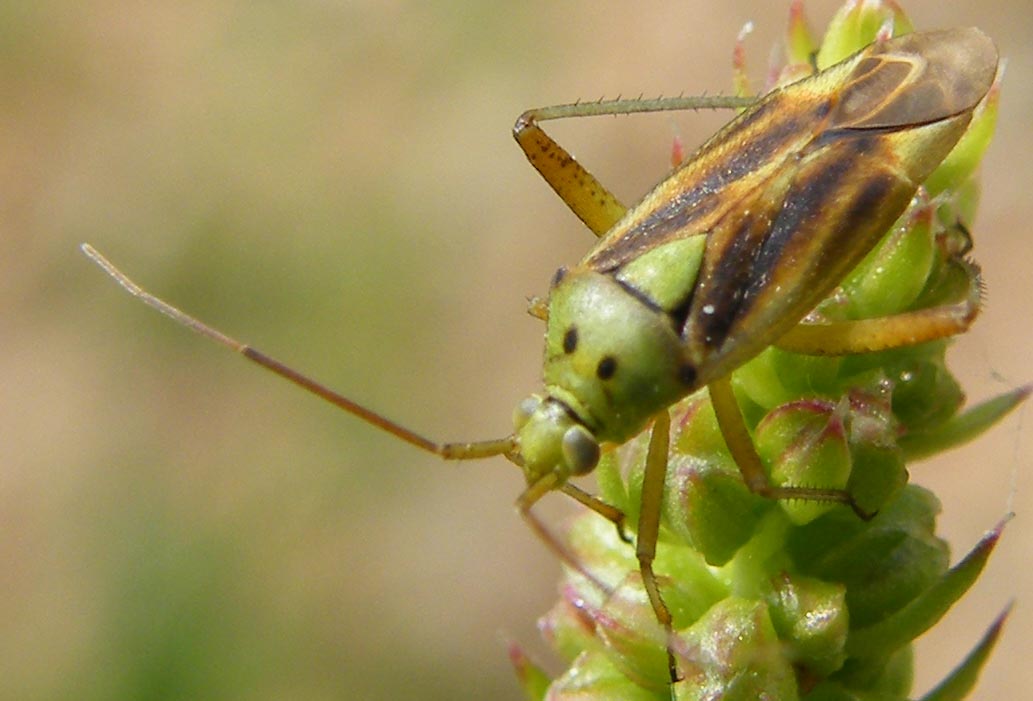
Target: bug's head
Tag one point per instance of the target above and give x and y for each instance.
(552, 439)
(611, 361)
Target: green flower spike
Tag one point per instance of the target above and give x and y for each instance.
(788, 600)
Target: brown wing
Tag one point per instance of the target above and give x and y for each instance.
(901, 109)
(796, 190)
(729, 167)
(908, 80)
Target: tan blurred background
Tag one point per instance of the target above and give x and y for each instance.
(336, 182)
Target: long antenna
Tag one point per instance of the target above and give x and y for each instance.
(450, 451)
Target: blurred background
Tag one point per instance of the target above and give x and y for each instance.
(336, 183)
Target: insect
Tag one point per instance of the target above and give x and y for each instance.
(722, 259)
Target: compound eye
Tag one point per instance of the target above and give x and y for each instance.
(580, 450)
(557, 277)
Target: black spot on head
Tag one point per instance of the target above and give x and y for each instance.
(687, 374)
(606, 368)
(570, 340)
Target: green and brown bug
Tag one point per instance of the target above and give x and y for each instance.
(722, 259)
